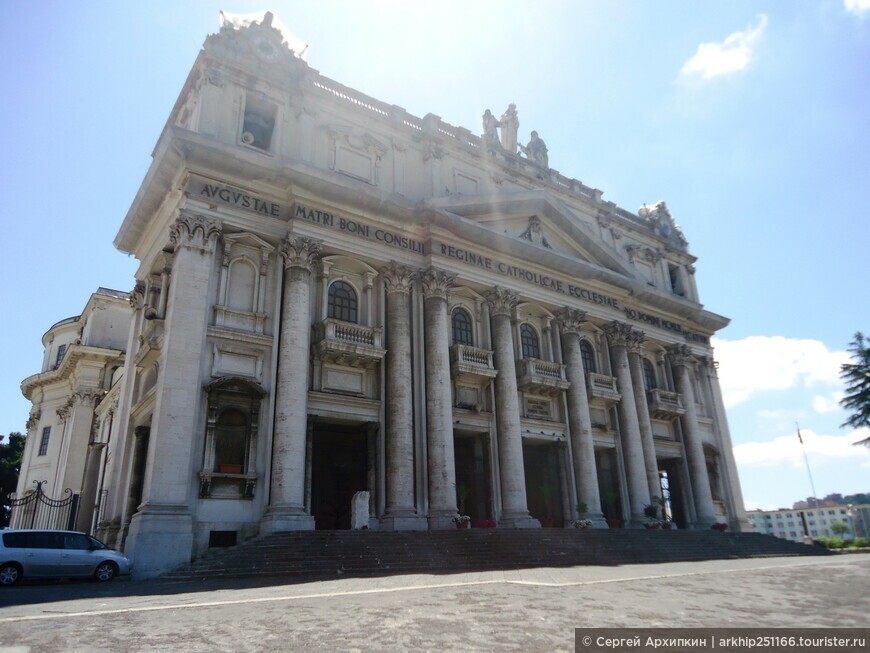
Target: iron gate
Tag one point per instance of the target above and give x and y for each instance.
(36, 510)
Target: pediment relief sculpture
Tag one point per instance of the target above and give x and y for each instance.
(534, 233)
(660, 220)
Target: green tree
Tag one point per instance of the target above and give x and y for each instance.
(856, 375)
(840, 528)
(10, 465)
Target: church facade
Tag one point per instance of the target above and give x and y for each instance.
(336, 296)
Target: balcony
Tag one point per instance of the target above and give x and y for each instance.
(150, 343)
(473, 364)
(664, 404)
(541, 377)
(344, 343)
(603, 387)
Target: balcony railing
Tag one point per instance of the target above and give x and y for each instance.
(664, 404)
(601, 386)
(471, 363)
(349, 344)
(542, 377)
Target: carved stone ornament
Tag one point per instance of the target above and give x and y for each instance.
(300, 252)
(137, 297)
(33, 419)
(660, 220)
(63, 411)
(635, 343)
(437, 283)
(570, 320)
(85, 397)
(195, 232)
(619, 334)
(501, 301)
(534, 233)
(690, 268)
(398, 278)
(680, 355)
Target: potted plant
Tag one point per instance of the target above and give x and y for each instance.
(462, 521)
(582, 523)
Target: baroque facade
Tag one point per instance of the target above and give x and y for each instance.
(336, 296)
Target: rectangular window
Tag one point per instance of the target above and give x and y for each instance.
(60, 352)
(259, 123)
(43, 444)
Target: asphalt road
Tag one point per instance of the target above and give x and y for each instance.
(527, 610)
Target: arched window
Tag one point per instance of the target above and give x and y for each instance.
(231, 441)
(588, 356)
(462, 334)
(530, 343)
(342, 302)
(649, 375)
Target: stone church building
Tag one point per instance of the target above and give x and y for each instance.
(337, 296)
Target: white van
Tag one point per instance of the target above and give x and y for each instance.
(57, 554)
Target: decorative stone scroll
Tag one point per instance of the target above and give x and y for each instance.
(195, 232)
(501, 301)
(398, 278)
(300, 252)
(437, 283)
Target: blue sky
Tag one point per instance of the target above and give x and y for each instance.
(748, 118)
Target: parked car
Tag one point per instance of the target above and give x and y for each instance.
(57, 554)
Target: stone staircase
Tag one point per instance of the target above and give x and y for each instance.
(327, 554)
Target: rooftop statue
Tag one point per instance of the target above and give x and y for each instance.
(510, 125)
(490, 131)
(536, 151)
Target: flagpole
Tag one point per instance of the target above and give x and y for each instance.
(806, 460)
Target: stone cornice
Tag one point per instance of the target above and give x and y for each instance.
(398, 278)
(300, 252)
(501, 301)
(436, 283)
(75, 354)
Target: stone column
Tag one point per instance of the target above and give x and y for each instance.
(401, 513)
(620, 335)
(88, 499)
(137, 473)
(439, 408)
(739, 520)
(515, 509)
(579, 420)
(287, 511)
(701, 495)
(635, 365)
(161, 533)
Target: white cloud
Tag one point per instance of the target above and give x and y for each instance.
(729, 56)
(787, 449)
(827, 403)
(758, 364)
(857, 7)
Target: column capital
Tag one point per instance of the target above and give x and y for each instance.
(137, 297)
(501, 301)
(436, 283)
(86, 396)
(195, 232)
(570, 320)
(398, 278)
(619, 334)
(681, 355)
(635, 343)
(299, 252)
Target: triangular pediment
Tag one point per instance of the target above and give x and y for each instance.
(541, 222)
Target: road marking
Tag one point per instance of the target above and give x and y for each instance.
(407, 588)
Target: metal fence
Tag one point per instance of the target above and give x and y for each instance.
(35, 509)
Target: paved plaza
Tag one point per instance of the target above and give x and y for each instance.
(525, 610)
